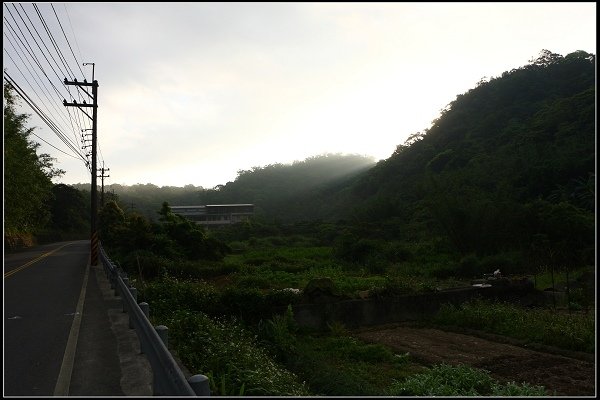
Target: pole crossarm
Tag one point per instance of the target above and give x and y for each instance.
(79, 105)
(76, 104)
(80, 84)
(84, 83)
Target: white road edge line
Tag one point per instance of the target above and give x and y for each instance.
(64, 377)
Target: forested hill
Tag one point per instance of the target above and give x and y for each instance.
(272, 188)
(522, 135)
(508, 163)
(278, 190)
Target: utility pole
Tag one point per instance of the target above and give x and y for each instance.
(94, 118)
(102, 176)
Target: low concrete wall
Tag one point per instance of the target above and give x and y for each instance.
(356, 313)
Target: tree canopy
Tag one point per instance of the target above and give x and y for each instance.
(27, 174)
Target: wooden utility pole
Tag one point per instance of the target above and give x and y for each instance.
(94, 118)
(102, 176)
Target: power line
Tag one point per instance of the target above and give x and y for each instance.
(65, 35)
(61, 57)
(38, 81)
(74, 36)
(41, 114)
(30, 48)
(33, 75)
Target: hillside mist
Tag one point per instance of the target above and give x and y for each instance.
(271, 187)
(507, 170)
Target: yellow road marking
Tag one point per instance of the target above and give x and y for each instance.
(14, 271)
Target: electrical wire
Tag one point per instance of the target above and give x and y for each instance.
(21, 44)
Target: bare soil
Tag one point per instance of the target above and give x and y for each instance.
(572, 374)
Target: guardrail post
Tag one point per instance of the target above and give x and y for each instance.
(123, 299)
(200, 385)
(146, 310)
(163, 333)
(133, 292)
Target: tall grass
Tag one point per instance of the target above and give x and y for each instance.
(230, 356)
(344, 366)
(460, 380)
(567, 331)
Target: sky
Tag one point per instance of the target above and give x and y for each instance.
(191, 93)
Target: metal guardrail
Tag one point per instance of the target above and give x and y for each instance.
(168, 380)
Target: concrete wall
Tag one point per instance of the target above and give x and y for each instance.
(356, 313)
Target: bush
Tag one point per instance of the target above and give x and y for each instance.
(230, 356)
(353, 249)
(461, 380)
(469, 267)
(146, 264)
(167, 295)
(278, 334)
(572, 332)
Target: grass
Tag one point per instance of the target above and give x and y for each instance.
(566, 331)
(460, 380)
(336, 364)
(543, 280)
(260, 354)
(229, 355)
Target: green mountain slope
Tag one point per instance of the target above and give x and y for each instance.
(508, 166)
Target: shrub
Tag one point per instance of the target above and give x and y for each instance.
(146, 264)
(460, 380)
(167, 295)
(469, 267)
(230, 356)
(572, 332)
(279, 335)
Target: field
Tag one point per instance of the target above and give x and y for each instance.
(221, 318)
(507, 360)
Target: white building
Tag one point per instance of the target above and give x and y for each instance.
(216, 214)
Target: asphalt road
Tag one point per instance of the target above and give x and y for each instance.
(42, 287)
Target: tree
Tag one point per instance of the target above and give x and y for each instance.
(70, 210)
(112, 225)
(27, 175)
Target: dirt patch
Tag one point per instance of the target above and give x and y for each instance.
(560, 375)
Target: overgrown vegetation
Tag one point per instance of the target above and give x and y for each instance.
(33, 205)
(568, 331)
(460, 380)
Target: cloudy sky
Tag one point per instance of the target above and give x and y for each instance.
(190, 93)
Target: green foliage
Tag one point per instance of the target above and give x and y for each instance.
(111, 224)
(236, 364)
(344, 366)
(353, 249)
(175, 238)
(572, 332)
(27, 175)
(337, 328)
(279, 335)
(166, 295)
(247, 304)
(190, 237)
(459, 380)
(70, 210)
